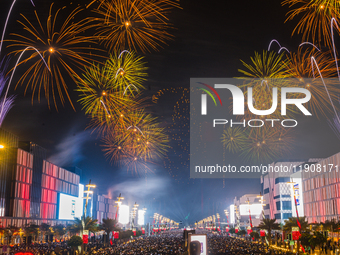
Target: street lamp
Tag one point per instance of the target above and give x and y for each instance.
(135, 207)
(88, 192)
(118, 203)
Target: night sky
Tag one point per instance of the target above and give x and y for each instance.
(210, 39)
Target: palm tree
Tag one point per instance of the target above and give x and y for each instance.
(269, 225)
(31, 230)
(59, 230)
(90, 224)
(108, 226)
(11, 229)
(292, 222)
(45, 228)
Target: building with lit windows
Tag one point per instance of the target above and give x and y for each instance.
(321, 190)
(249, 207)
(103, 207)
(30, 186)
(278, 187)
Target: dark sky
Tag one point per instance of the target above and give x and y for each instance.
(210, 39)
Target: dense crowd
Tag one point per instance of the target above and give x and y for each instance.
(161, 244)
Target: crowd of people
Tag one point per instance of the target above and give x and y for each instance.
(160, 244)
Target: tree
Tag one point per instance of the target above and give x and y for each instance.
(255, 235)
(74, 242)
(241, 232)
(269, 225)
(90, 224)
(108, 226)
(292, 222)
(10, 230)
(32, 230)
(59, 230)
(44, 228)
(305, 239)
(232, 230)
(317, 239)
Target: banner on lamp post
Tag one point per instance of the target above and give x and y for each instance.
(85, 236)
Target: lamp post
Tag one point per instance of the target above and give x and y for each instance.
(226, 212)
(88, 192)
(135, 207)
(119, 202)
(263, 216)
(297, 213)
(84, 232)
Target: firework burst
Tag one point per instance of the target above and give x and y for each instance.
(137, 142)
(307, 76)
(64, 46)
(128, 71)
(266, 144)
(315, 19)
(266, 71)
(140, 25)
(100, 96)
(233, 139)
(5, 102)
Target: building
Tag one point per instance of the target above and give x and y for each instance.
(103, 207)
(278, 188)
(249, 207)
(321, 189)
(30, 186)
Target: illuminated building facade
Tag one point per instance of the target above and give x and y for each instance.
(29, 185)
(103, 207)
(55, 180)
(278, 187)
(248, 204)
(321, 190)
(33, 189)
(10, 143)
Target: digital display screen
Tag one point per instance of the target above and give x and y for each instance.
(255, 209)
(123, 217)
(203, 241)
(71, 207)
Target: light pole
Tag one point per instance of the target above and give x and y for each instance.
(297, 213)
(226, 212)
(135, 207)
(263, 216)
(118, 203)
(85, 232)
(88, 192)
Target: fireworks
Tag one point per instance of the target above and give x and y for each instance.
(136, 142)
(128, 70)
(139, 25)
(267, 71)
(316, 15)
(100, 95)
(266, 65)
(258, 145)
(233, 139)
(5, 102)
(63, 46)
(5, 26)
(307, 76)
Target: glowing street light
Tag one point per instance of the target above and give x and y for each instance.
(119, 202)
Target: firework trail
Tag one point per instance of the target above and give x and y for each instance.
(65, 45)
(6, 102)
(5, 26)
(16, 65)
